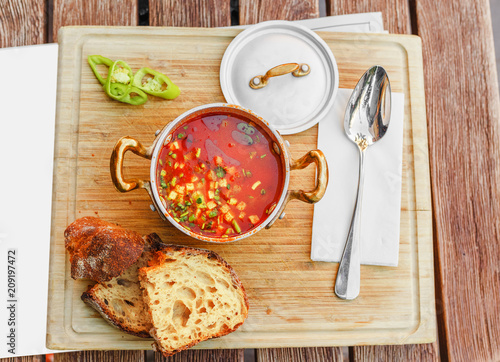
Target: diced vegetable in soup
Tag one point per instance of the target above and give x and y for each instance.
(219, 176)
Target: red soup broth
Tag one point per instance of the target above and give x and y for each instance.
(219, 176)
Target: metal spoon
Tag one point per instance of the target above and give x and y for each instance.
(366, 121)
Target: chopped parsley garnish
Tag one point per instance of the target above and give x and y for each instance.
(220, 172)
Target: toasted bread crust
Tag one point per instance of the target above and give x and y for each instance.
(100, 250)
(93, 301)
(157, 261)
(92, 298)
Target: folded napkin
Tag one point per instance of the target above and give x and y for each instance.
(381, 206)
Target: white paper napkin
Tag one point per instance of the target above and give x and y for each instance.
(27, 120)
(381, 206)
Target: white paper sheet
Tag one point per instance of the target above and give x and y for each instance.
(350, 23)
(381, 206)
(27, 119)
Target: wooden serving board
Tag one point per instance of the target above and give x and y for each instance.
(292, 302)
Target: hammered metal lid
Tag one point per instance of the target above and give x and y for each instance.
(290, 103)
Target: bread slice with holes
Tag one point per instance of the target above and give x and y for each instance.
(192, 295)
(119, 301)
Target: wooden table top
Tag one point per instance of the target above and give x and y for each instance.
(463, 111)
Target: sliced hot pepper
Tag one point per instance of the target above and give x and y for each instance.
(125, 93)
(95, 60)
(118, 85)
(121, 85)
(118, 73)
(155, 83)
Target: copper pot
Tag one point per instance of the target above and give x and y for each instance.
(152, 153)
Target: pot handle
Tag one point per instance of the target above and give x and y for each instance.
(315, 195)
(123, 145)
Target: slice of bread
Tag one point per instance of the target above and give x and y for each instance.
(192, 295)
(119, 301)
(100, 250)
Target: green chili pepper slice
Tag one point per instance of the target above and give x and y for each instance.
(120, 72)
(95, 60)
(155, 83)
(118, 85)
(125, 93)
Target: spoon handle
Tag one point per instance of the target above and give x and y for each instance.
(348, 276)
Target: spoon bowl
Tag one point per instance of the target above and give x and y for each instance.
(369, 109)
(366, 121)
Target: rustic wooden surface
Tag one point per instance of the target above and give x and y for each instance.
(93, 12)
(461, 314)
(214, 355)
(101, 356)
(466, 210)
(300, 354)
(23, 22)
(397, 19)
(24, 359)
(252, 12)
(395, 13)
(274, 265)
(211, 13)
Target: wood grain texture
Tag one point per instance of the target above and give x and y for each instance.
(463, 100)
(195, 13)
(252, 12)
(396, 16)
(23, 359)
(396, 13)
(93, 12)
(274, 265)
(299, 354)
(412, 352)
(101, 356)
(22, 22)
(214, 355)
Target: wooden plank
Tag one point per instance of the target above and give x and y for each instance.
(214, 355)
(313, 354)
(93, 12)
(463, 100)
(23, 22)
(396, 13)
(101, 356)
(412, 352)
(252, 12)
(211, 13)
(396, 16)
(23, 359)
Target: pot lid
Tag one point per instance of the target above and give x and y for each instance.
(289, 103)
